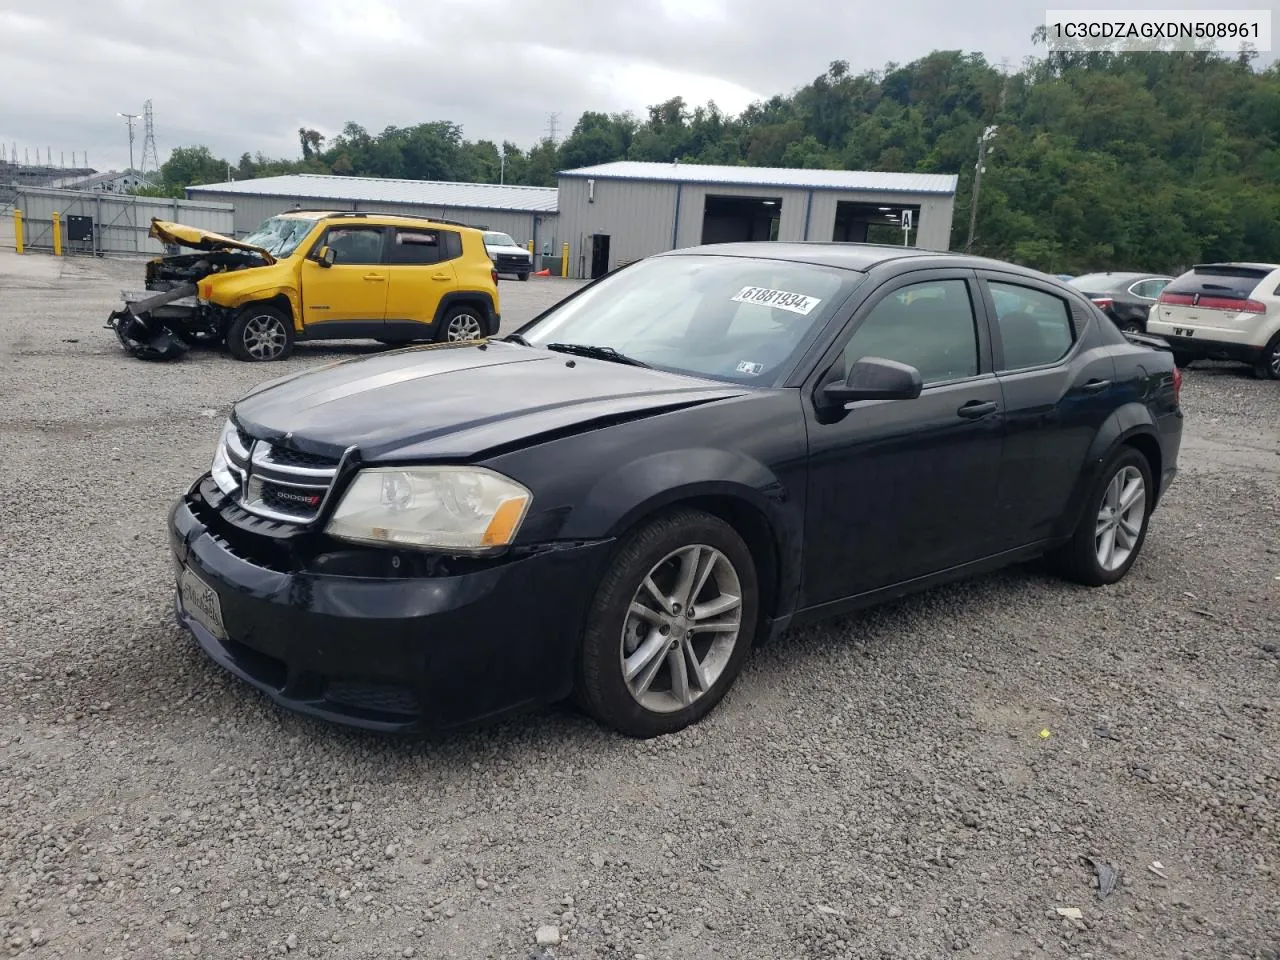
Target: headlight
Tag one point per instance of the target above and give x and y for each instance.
(221, 469)
(468, 509)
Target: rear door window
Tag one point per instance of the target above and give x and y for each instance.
(415, 247)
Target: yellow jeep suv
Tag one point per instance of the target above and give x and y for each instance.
(312, 275)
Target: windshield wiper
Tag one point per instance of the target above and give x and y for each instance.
(516, 338)
(596, 352)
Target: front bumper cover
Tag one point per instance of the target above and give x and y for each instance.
(395, 655)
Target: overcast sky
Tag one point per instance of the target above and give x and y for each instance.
(244, 75)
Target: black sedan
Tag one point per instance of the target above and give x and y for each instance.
(1127, 298)
(676, 463)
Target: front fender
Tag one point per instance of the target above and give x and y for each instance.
(622, 497)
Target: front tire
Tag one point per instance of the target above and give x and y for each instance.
(670, 625)
(260, 334)
(524, 275)
(1113, 528)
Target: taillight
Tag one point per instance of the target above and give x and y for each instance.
(1177, 384)
(1103, 303)
(1236, 306)
(494, 274)
(1177, 299)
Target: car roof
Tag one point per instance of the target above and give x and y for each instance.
(850, 256)
(392, 219)
(1235, 263)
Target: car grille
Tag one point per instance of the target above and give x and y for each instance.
(277, 482)
(511, 261)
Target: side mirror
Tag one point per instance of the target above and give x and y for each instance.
(326, 256)
(874, 378)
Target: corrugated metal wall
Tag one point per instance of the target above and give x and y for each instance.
(120, 223)
(639, 216)
(250, 211)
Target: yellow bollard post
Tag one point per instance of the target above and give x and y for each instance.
(57, 234)
(564, 260)
(17, 229)
(530, 246)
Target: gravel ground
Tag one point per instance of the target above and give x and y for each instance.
(877, 787)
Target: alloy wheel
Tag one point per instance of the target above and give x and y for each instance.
(1120, 518)
(681, 628)
(464, 326)
(265, 337)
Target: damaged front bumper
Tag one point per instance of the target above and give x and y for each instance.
(159, 325)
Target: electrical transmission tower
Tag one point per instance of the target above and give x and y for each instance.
(552, 121)
(150, 157)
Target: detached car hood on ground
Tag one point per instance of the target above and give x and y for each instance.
(458, 401)
(197, 239)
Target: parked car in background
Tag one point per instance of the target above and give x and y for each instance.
(1127, 298)
(507, 255)
(311, 275)
(1223, 311)
(681, 459)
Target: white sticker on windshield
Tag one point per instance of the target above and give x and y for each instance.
(782, 299)
(751, 369)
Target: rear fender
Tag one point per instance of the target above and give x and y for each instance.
(1126, 422)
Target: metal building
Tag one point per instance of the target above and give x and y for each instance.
(526, 213)
(614, 213)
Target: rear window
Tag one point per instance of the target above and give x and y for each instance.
(1234, 283)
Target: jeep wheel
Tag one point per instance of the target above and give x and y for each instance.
(260, 334)
(462, 323)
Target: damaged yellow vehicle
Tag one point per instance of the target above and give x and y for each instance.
(311, 275)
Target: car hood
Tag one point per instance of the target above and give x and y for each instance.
(493, 248)
(197, 239)
(458, 401)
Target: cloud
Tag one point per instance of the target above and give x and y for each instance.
(243, 75)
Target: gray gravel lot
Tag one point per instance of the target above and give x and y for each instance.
(874, 788)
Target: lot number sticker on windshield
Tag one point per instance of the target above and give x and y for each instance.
(782, 299)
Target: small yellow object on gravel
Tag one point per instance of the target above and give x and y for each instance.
(1044, 734)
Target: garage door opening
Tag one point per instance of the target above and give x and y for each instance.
(874, 222)
(735, 219)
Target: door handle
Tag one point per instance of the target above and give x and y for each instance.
(977, 409)
(374, 276)
(440, 276)
(1096, 386)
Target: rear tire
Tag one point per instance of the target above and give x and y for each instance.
(1268, 368)
(260, 334)
(695, 655)
(1113, 527)
(1134, 326)
(461, 324)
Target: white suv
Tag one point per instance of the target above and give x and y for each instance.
(1223, 311)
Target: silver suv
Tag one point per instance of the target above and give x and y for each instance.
(507, 255)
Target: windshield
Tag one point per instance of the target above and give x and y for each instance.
(498, 240)
(740, 319)
(280, 236)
